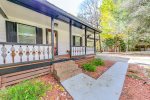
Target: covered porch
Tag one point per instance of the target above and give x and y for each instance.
(60, 35)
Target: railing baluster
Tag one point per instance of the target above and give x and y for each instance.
(17, 52)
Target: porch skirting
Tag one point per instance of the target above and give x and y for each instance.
(13, 78)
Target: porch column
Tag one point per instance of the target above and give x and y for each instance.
(85, 40)
(52, 37)
(100, 43)
(70, 31)
(94, 43)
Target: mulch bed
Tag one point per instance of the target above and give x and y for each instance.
(137, 84)
(100, 69)
(57, 92)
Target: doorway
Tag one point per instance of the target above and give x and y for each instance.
(55, 43)
(48, 40)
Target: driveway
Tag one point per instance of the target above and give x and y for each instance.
(130, 58)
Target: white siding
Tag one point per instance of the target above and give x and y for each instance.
(2, 29)
(16, 13)
(63, 38)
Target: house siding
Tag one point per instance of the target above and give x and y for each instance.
(2, 29)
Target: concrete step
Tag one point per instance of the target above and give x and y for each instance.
(61, 71)
(69, 74)
(64, 65)
(65, 70)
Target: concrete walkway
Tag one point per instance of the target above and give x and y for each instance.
(106, 87)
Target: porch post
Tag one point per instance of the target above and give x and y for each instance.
(85, 40)
(100, 43)
(52, 37)
(94, 43)
(70, 31)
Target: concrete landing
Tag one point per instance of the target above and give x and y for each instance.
(106, 87)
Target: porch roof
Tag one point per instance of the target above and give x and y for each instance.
(48, 9)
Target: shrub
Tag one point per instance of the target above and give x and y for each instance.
(89, 67)
(97, 62)
(123, 46)
(28, 90)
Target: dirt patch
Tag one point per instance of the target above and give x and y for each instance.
(100, 69)
(136, 86)
(57, 92)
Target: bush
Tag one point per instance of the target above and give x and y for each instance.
(89, 67)
(98, 62)
(28, 90)
(123, 46)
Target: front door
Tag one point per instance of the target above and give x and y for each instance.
(48, 40)
(55, 44)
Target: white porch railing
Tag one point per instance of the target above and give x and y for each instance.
(89, 50)
(17, 53)
(77, 51)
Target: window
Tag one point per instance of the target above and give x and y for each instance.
(26, 34)
(77, 41)
(90, 43)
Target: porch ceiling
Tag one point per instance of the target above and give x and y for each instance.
(46, 8)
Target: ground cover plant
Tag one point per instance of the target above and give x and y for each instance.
(97, 62)
(27, 90)
(91, 66)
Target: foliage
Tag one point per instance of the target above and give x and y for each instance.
(28, 90)
(109, 42)
(89, 67)
(138, 15)
(98, 62)
(114, 40)
(107, 19)
(122, 46)
(93, 64)
(137, 22)
(113, 24)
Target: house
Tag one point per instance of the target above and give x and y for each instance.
(35, 33)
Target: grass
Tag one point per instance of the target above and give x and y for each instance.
(134, 76)
(148, 73)
(133, 71)
(91, 66)
(27, 90)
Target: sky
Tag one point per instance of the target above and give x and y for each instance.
(71, 6)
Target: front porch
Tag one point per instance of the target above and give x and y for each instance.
(17, 53)
(33, 39)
